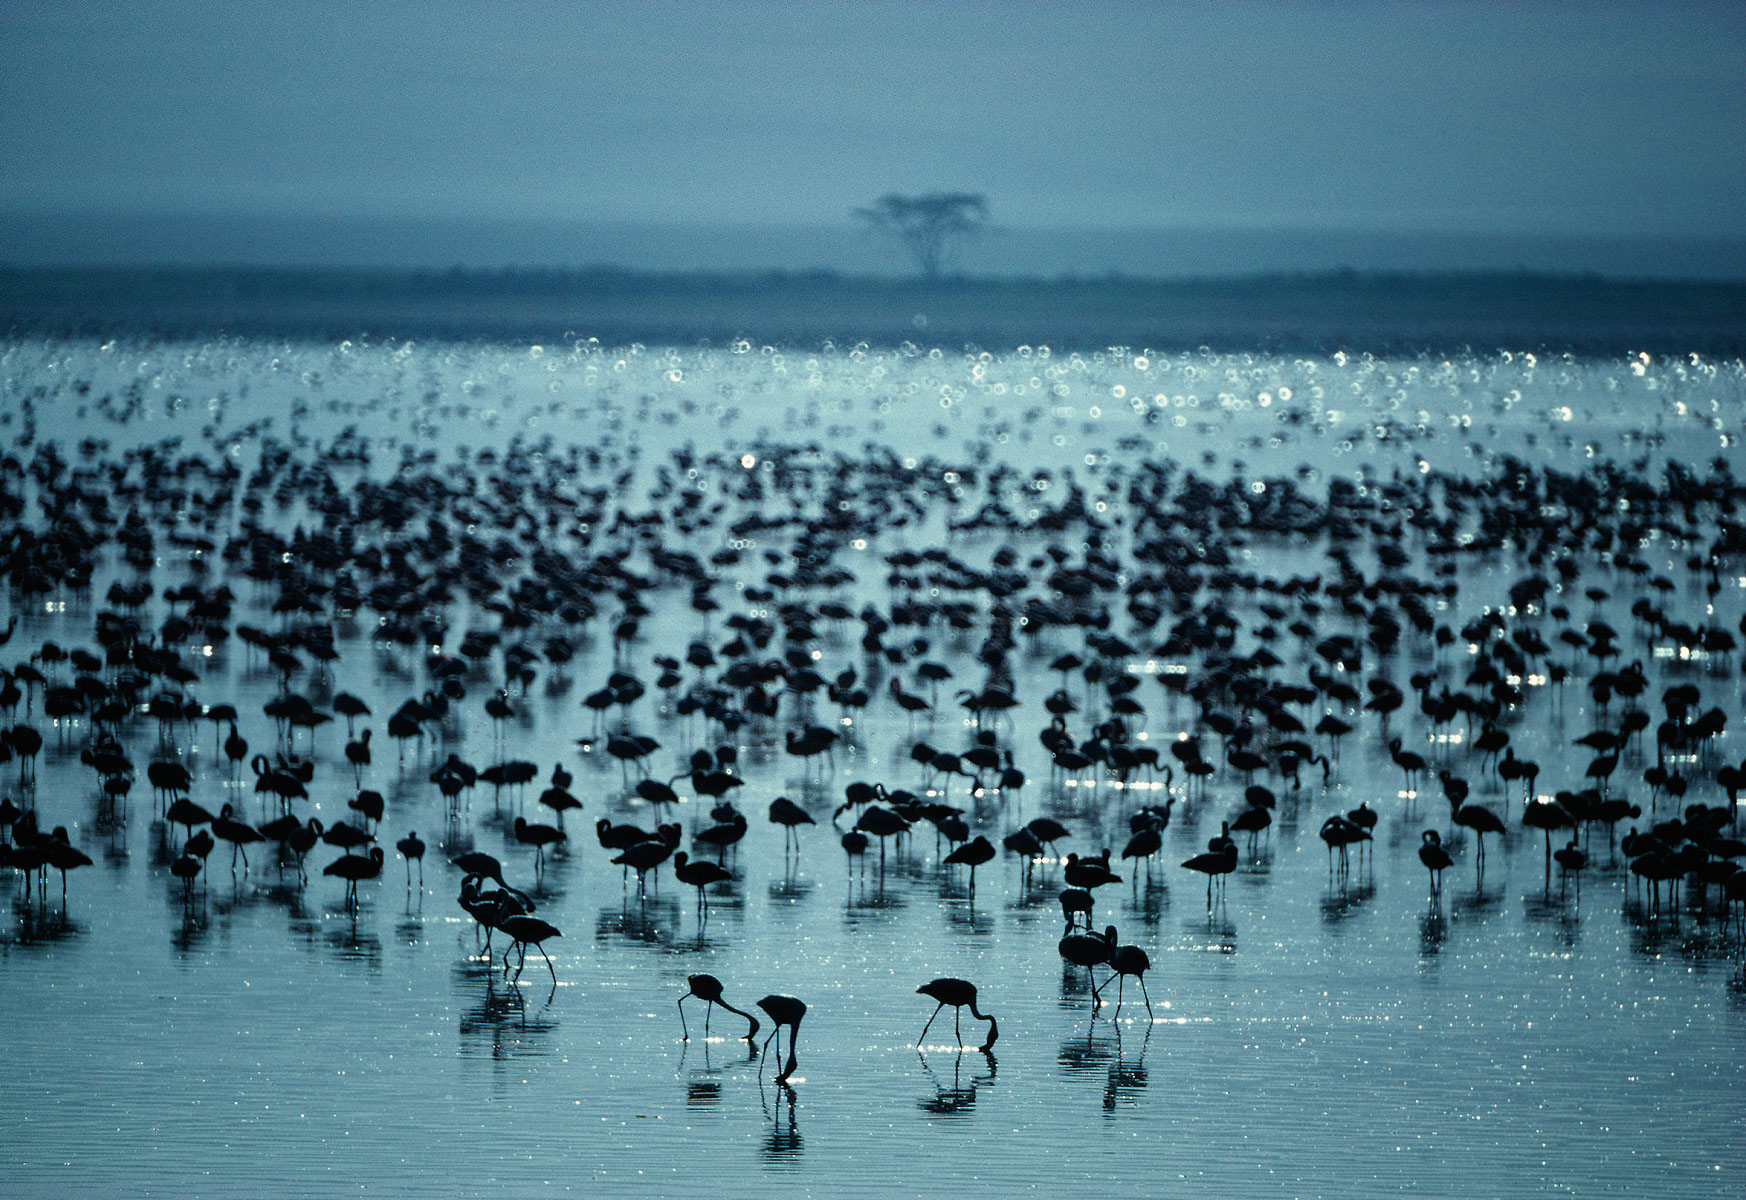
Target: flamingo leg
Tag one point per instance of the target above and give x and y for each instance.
(793, 1059)
(683, 1028)
(929, 1025)
(1147, 998)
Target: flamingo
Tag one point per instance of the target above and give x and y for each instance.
(1075, 903)
(355, 867)
(960, 994)
(1088, 950)
(1482, 821)
(237, 834)
(783, 1010)
(412, 846)
(699, 875)
(1125, 961)
(524, 930)
(1435, 858)
(791, 817)
(1214, 864)
(972, 853)
(707, 988)
(59, 853)
(358, 754)
(539, 836)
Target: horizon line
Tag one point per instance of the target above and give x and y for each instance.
(847, 223)
(1085, 276)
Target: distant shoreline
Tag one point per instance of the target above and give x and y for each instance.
(1393, 312)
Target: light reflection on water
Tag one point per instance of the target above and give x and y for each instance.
(1315, 1032)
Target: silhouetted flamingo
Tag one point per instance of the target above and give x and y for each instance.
(783, 1010)
(960, 994)
(707, 988)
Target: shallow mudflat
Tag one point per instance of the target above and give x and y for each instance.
(404, 522)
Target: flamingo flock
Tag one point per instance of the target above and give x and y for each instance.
(1096, 658)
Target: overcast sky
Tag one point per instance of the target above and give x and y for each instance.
(1595, 119)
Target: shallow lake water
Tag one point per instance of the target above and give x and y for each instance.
(1312, 1033)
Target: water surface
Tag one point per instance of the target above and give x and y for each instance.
(1313, 1034)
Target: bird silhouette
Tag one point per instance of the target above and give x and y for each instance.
(412, 847)
(972, 854)
(1571, 860)
(239, 835)
(486, 866)
(791, 817)
(960, 994)
(783, 1010)
(1435, 858)
(358, 754)
(523, 931)
(1126, 961)
(353, 868)
(1482, 821)
(1088, 950)
(1075, 904)
(699, 875)
(707, 988)
(539, 836)
(60, 855)
(1215, 865)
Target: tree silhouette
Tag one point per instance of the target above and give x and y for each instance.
(928, 226)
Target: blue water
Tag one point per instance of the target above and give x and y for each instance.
(1312, 1035)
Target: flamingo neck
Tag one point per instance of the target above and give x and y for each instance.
(753, 1021)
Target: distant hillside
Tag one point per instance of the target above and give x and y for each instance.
(1313, 312)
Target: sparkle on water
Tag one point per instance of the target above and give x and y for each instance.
(1311, 1035)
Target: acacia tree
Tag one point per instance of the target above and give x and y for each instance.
(928, 226)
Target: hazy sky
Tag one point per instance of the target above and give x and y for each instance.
(1603, 119)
